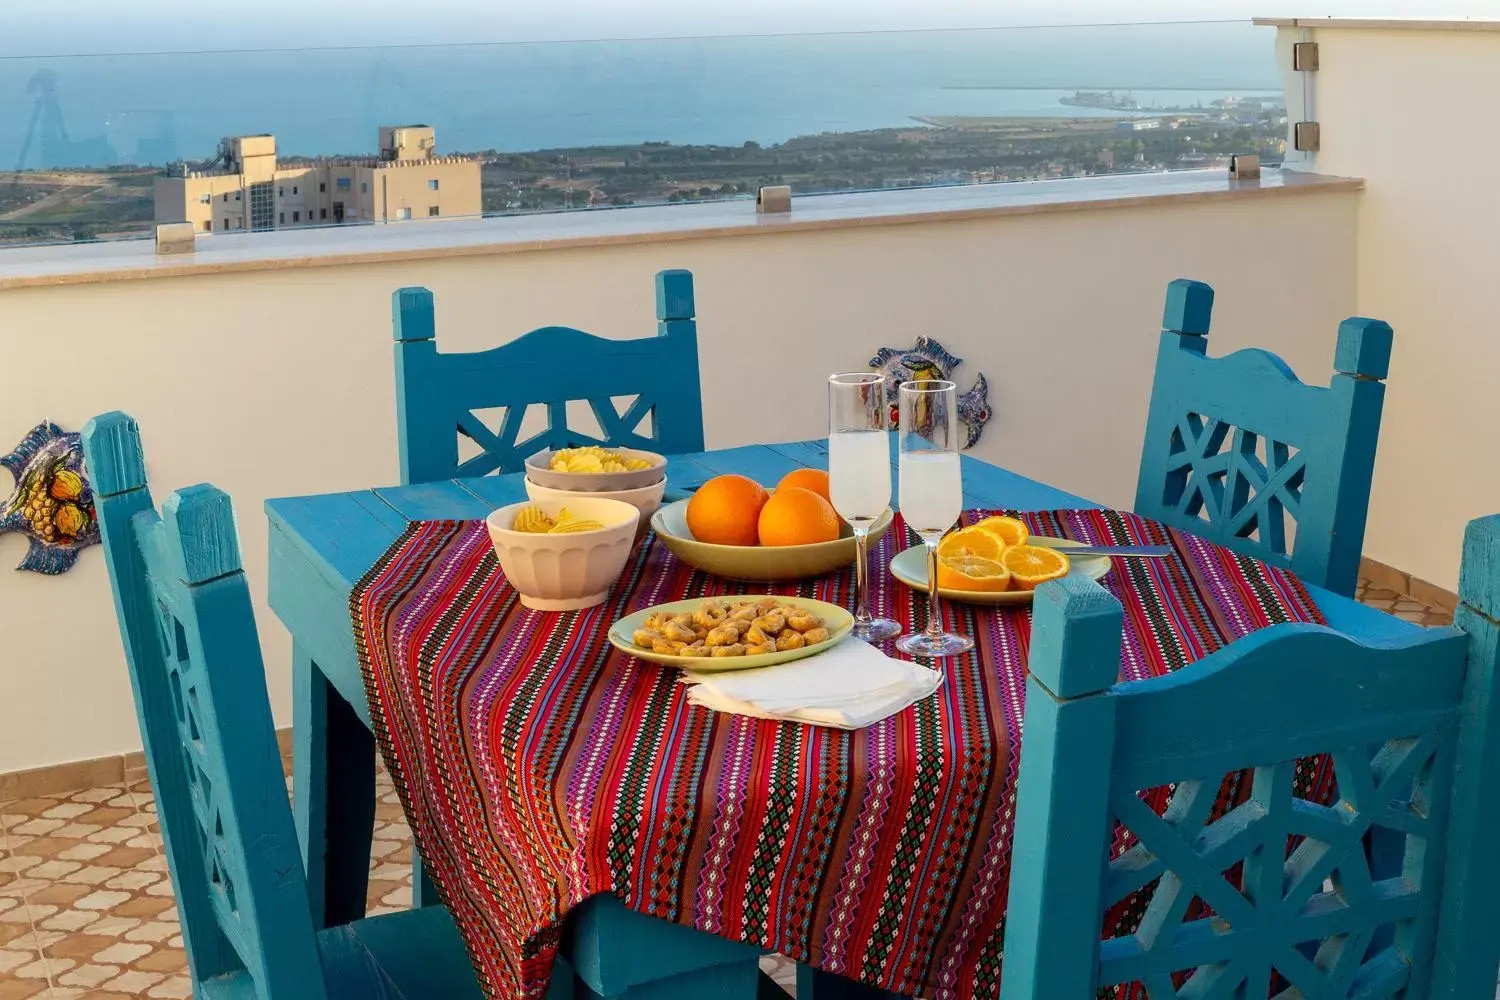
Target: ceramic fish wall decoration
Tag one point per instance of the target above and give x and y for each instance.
(928, 359)
(52, 505)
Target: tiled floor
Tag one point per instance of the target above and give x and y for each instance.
(86, 906)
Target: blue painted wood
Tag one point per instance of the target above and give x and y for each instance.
(437, 395)
(1237, 447)
(1468, 948)
(1053, 917)
(1413, 725)
(616, 951)
(321, 546)
(333, 793)
(112, 450)
(193, 653)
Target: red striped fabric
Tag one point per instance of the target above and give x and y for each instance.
(539, 766)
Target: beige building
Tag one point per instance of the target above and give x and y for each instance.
(249, 189)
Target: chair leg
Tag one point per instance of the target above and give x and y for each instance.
(423, 891)
(333, 793)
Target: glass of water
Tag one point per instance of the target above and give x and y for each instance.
(932, 496)
(859, 478)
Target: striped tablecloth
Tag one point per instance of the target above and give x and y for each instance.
(539, 766)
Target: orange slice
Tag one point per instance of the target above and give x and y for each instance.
(970, 542)
(1009, 530)
(1032, 565)
(972, 573)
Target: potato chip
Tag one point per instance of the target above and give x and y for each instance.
(532, 521)
(576, 525)
(594, 459)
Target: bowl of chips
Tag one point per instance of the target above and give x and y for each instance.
(595, 470)
(645, 499)
(562, 555)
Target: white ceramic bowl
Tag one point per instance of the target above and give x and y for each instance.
(569, 571)
(646, 499)
(597, 482)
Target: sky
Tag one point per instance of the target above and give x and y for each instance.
(43, 27)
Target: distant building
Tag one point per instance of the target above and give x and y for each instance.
(247, 188)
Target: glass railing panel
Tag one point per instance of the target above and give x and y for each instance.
(86, 142)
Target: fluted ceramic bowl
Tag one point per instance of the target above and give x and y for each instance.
(646, 499)
(539, 471)
(565, 572)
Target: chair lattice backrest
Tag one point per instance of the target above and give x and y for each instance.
(1239, 451)
(195, 666)
(1127, 817)
(440, 398)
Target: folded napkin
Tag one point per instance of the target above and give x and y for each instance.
(851, 686)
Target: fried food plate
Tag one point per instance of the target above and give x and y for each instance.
(838, 621)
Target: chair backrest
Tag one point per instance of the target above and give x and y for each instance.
(200, 692)
(1413, 729)
(622, 381)
(1239, 451)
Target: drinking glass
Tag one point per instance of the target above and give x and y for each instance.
(859, 478)
(932, 495)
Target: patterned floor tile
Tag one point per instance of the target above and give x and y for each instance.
(86, 907)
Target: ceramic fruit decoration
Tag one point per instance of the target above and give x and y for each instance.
(52, 505)
(928, 359)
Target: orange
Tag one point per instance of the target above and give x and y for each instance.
(795, 516)
(726, 511)
(970, 542)
(808, 479)
(972, 573)
(1032, 565)
(1009, 530)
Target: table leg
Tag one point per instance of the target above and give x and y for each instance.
(423, 891)
(815, 984)
(333, 793)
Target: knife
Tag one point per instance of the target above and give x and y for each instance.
(1126, 551)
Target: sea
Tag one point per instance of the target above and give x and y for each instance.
(320, 99)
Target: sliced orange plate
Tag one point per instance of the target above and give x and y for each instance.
(910, 567)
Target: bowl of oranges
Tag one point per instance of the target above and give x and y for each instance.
(734, 527)
(562, 555)
(595, 470)
(995, 561)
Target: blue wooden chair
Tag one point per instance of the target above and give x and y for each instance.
(437, 395)
(195, 666)
(1240, 452)
(1413, 727)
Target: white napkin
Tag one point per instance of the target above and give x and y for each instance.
(851, 686)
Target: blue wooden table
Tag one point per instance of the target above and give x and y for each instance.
(322, 545)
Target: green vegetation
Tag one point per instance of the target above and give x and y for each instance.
(55, 205)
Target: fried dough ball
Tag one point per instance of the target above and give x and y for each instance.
(790, 640)
(711, 615)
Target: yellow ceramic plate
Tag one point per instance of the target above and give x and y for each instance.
(838, 622)
(910, 567)
(756, 563)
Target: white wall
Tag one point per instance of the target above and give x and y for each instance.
(279, 383)
(1407, 110)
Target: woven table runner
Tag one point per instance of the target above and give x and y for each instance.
(539, 766)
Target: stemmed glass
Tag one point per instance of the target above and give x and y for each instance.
(932, 495)
(859, 478)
